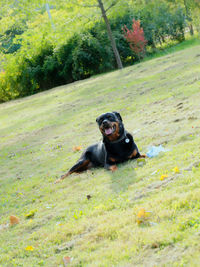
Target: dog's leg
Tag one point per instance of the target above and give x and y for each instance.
(81, 165)
(110, 163)
(135, 155)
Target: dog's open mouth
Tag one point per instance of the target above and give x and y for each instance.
(109, 130)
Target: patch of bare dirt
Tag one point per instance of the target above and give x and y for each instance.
(152, 187)
(156, 257)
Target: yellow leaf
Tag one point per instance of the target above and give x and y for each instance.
(29, 248)
(162, 177)
(31, 214)
(176, 170)
(142, 216)
(141, 213)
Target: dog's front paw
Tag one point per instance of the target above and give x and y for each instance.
(143, 156)
(113, 168)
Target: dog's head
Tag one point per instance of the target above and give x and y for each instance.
(110, 125)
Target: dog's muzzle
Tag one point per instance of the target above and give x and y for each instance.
(108, 127)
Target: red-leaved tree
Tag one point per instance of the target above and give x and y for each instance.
(135, 38)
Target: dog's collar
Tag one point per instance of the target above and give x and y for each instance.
(127, 140)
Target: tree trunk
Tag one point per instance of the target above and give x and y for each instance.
(112, 40)
(191, 29)
(188, 15)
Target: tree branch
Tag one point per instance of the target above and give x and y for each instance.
(113, 4)
(84, 5)
(89, 5)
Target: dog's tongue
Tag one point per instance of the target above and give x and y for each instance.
(108, 131)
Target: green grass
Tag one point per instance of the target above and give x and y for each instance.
(159, 103)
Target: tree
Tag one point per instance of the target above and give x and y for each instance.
(192, 8)
(30, 7)
(109, 31)
(110, 35)
(188, 15)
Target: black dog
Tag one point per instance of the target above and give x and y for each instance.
(117, 146)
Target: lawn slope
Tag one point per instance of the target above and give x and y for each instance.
(159, 101)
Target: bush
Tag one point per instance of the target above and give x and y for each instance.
(80, 58)
(90, 57)
(24, 74)
(135, 38)
(31, 76)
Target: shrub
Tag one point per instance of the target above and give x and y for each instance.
(81, 57)
(135, 38)
(90, 57)
(24, 74)
(31, 77)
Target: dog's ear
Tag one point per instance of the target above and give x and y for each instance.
(97, 119)
(118, 115)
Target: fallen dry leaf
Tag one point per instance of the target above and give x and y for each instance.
(77, 148)
(13, 220)
(66, 260)
(155, 245)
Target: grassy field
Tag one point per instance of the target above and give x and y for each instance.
(159, 101)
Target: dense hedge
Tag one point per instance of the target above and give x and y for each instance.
(87, 53)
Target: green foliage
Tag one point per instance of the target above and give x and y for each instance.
(158, 27)
(82, 56)
(90, 56)
(7, 45)
(25, 75)
(178, 24)
(117, 23)
(48, 58)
